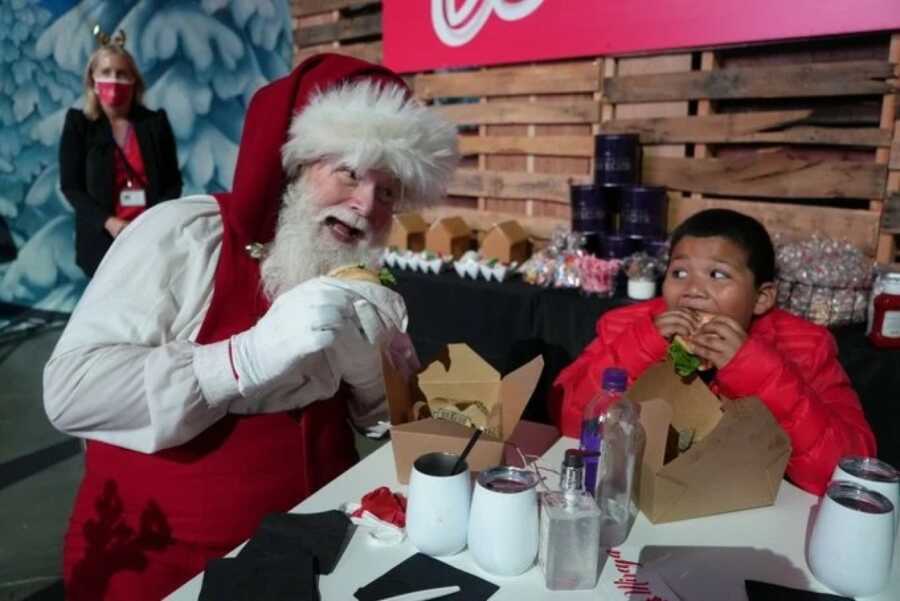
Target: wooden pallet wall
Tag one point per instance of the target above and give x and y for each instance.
(350, 27)
(802, 135)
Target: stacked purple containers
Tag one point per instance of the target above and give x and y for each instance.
(618, 215)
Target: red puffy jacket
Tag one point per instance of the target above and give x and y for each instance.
(788, 362)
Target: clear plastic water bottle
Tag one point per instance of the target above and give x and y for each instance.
(620, 451)
(612, 385)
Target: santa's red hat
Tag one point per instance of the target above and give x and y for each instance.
(341, 108)
(330, 106)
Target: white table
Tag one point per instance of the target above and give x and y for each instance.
(704, 558)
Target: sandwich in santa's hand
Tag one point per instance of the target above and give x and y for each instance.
(372, 302)
(358, 271)
(681, 351)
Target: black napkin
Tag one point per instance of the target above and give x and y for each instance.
(281, 560)
(323, 535)
(272, 578)
(765, 591)
(422, 572)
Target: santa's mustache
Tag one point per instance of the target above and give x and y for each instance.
(346, 216)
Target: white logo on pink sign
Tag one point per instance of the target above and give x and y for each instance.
(458, 26)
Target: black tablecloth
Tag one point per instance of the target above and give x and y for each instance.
(509, 323)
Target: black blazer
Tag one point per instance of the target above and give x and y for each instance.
(87, 174)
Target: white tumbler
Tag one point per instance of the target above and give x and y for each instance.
(875, 475)
(852, 541)
(437, 508)
(503, 524)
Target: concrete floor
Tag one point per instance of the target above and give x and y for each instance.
(40, 469)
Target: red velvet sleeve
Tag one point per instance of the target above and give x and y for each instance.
(626, 338)
(810, 397)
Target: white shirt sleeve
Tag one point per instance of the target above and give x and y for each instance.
(126, 370)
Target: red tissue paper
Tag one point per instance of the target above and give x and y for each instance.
(385, 505)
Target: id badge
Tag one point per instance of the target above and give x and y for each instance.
(133, 197)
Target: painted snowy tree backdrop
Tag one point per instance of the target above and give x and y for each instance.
(201, 59)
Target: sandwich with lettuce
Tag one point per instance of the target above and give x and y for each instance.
(681, 351)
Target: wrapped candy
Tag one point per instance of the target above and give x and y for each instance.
(824, 280)
(565, 264)
(598, 276)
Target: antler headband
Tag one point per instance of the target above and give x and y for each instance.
(103, 38)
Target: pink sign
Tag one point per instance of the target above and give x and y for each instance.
(421, 35)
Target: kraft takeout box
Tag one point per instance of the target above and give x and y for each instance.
(458, 374)
(735, 461)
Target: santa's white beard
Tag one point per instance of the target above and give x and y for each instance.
(303, 247)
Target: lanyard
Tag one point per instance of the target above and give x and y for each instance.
(132, 172)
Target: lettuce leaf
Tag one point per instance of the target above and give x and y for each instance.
(685, 362)
(387, 278)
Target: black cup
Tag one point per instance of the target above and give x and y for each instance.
(617, 159)
(643, 211)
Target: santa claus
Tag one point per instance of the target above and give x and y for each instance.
(210, 365)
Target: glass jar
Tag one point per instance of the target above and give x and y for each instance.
(885, 332)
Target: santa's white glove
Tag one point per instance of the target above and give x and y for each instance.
(379, 318)
(402, 355)
(378, 310)
(282, 353)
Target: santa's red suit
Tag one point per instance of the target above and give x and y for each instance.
(144, 371)
(788, 362)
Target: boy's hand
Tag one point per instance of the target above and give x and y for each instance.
(676, 321)
(719, 340)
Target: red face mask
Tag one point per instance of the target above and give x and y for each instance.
(113, 93)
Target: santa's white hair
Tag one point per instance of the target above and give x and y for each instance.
(302, 250)
(368, 125)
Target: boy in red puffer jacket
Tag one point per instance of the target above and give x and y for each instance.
(723, 263)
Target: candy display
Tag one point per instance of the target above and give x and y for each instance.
(565, 264)
(598, 276)
(824, 280)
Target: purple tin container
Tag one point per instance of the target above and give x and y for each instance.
(643, 211)
(592, 208)
(656, 248)
(617, 159)
(616, 246)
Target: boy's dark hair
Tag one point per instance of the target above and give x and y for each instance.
(743, 230)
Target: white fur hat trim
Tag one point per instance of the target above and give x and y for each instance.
(365, 125)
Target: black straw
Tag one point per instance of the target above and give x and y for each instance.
(462, 457)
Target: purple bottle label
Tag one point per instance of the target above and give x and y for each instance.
(591, 437)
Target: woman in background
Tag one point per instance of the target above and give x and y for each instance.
(117, 157)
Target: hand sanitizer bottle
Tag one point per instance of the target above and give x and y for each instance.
(569, 552)
(620, 453)
(612, 385)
